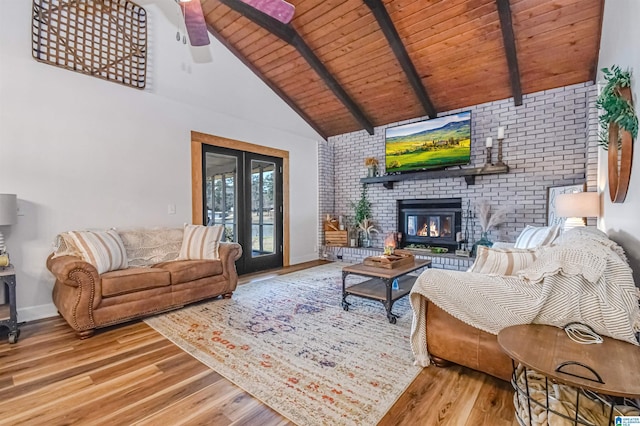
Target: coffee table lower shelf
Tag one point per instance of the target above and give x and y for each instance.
(381, 290)
(380, 286)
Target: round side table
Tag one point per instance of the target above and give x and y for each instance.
(609, 369)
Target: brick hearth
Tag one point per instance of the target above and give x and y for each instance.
(357, 254)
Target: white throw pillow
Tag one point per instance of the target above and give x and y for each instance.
(102, 249)
(503, 245)
(534, 236)
(201, 242)
(149, 246)
(502, 261)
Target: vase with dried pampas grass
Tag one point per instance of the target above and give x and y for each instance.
(488, 220)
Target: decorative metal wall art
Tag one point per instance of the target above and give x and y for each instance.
(103, 38)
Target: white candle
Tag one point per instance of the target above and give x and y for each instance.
(500, 132)
(489, 142)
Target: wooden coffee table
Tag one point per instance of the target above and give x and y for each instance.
(379, 287)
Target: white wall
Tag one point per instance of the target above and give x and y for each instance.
(82, 153)
(619, 46)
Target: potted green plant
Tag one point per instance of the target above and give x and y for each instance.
(362, 207)
(361, 210)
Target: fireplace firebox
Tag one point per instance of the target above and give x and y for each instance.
(430, 222)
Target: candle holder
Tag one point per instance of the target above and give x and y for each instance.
(500, 163)
(488, 162)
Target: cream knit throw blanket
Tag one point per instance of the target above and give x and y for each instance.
(585, 278)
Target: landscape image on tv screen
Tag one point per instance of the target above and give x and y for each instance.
(436, 143)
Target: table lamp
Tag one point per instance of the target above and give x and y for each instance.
(576, 206)
(8, 215)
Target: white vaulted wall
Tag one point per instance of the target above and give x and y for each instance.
(83, 153)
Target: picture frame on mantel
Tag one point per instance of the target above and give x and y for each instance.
(552, 194)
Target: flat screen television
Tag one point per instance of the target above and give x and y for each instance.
(432, 144)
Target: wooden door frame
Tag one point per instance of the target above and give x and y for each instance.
(197, 209)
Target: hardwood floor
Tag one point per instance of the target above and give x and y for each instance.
(130, 374)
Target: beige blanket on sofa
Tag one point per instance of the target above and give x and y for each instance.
(584, 278)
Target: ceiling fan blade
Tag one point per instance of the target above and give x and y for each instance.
(277, 9)
(195, 23)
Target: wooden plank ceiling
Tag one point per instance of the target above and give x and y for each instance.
(347, 65)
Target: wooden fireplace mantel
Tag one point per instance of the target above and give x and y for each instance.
(469, 175)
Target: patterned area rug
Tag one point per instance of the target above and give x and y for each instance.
(288, 342)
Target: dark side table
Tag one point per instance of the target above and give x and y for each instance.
(608, 369)
(8, 310)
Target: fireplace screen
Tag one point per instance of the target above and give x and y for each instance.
(429, 222)
(434, 226)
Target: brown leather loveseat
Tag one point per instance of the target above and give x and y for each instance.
(88, 300)
(451, 340)
(457, 315)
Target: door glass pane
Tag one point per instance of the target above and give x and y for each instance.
(221, 188)
(262, 207)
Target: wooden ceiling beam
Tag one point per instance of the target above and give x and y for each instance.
(291, 36)
(272, 86)
(508, 37)
(398, 48)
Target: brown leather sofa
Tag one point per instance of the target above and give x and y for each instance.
(451, 340)
(88, 300)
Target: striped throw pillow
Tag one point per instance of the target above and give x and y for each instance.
(534, 236)
(201, 242)
(102, 249)
(502, 261)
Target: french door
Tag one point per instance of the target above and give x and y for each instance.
(243, 192)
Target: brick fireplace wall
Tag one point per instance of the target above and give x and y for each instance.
(550, 140)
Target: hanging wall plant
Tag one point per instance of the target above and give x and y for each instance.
(618, 129)
(615, 106)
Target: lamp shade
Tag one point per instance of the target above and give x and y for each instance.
(8, 209)
(578, 204)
